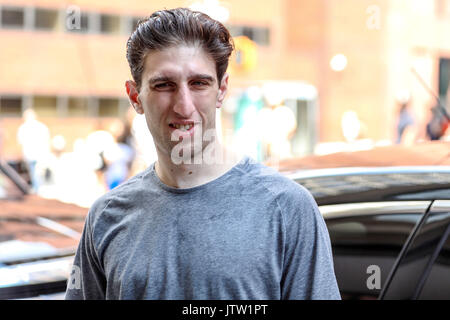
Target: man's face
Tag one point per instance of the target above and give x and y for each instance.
(179, 95)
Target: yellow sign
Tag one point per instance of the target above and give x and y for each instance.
(245, 54)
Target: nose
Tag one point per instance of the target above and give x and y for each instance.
(183, 104)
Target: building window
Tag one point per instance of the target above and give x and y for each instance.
(248, 32)
(260, 35)
(77, 107)
(235, 31)
(46, 19)
(124, 107)
(109, 24)
(135, 22)
(444, 78)
(77, 22)
(45, 106)
(12, 17)
(84, 23)
(108, 107)
(11, 106)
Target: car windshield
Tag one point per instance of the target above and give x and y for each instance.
(369, 184)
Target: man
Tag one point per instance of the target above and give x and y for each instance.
(192, 226)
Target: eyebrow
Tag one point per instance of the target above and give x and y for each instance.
(202, 77)
(158, 79)
(195, 76)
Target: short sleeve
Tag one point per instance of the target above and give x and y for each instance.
(87, 280)
(308, 270)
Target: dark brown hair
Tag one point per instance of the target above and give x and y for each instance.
(181, 26)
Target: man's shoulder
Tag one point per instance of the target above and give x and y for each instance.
(256, 174)
(296, 203)
(123, 194)
(266, 183)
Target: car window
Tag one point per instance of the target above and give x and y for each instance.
(378, 187)
(437, 285)
(418, 258)
(428, 194)
(362, 243)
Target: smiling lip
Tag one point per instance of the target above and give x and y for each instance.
(184, 126)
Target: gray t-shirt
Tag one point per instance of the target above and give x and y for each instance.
(249, 234)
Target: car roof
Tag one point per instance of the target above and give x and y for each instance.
(329, 172)
(368, 184)
(31, 218)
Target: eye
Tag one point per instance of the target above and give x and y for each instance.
(199, 83)
(163, 86)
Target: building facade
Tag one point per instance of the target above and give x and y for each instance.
(66, 60)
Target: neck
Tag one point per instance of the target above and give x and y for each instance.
(187, 175)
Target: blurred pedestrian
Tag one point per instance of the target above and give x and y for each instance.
(118, 156)
(34, 138)
(406, 133)
(75, 179)
(143, 145)
(438, 123)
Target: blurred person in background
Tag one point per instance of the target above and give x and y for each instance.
(406, 130)
(232, 229)
(405, 122)
(54, 173)
(97, 142)
(34, 138)
(142, 143)
(118, 156)
(438, 123)
(76, 180)
(276, 127)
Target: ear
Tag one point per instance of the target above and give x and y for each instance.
(133, 96)
(222, 90)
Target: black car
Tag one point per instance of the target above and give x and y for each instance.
(389, 231)
(389, 228)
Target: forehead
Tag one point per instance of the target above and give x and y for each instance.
(178, 62)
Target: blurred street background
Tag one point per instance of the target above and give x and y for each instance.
(307, 78)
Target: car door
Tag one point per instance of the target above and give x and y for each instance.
(367, 239)
(422, 270)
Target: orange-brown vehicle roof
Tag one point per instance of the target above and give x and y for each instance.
(18, 220)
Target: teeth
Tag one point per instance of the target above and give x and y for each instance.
(183, 127)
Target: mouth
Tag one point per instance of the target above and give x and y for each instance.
(181, 126)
